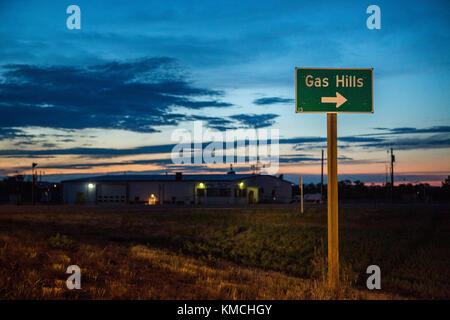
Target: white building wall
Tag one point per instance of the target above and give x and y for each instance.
(164, 191)
(271, 188)
(73, 190)
(179, 191)
(268, 189)
(140, 191)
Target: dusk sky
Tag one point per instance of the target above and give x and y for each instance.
(106, 98)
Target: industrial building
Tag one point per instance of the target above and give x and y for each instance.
(226, 189)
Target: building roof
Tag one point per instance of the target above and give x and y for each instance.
(164, 177)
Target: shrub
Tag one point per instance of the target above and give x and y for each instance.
(60, 242)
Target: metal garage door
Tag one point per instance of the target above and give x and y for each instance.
(112, 193)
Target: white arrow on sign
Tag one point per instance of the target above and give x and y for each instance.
(339, 100)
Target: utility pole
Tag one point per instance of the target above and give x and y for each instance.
(301, 194)
(385, 174)
(321, 180)
(33, 183)
(392, 172)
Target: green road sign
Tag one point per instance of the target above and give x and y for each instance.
(334, 90)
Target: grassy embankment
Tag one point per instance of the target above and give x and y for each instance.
(253, 253)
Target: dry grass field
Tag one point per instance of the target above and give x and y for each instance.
(259, 252)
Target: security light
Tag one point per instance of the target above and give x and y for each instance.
(91, 186)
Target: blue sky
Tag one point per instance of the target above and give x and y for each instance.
(66, 93)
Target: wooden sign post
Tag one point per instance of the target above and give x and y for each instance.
(333, 239)
(333, 91)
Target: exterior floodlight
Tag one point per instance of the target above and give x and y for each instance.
(201, 185)
(91, 186)
(241, 185)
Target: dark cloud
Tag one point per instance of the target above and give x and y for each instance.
(309, 158)
(303, 140)
(238, 121)
(304, 143)
(255, 120)
(106, 164)
(299, 143)
(360, 139)
(272, 100)
(136, 95)
(171, 166)
(216, 123)
(92, 152)
(422, 140)
(166, 165)
(437, 141)
(409, 130)
(300, 140)
(49, 145)
(10, 133)
(298, 159)
(309, 147)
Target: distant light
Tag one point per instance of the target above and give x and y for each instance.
(54, 185)
(201, 185)
(91, 186)
(152, 199)
(241, 185)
